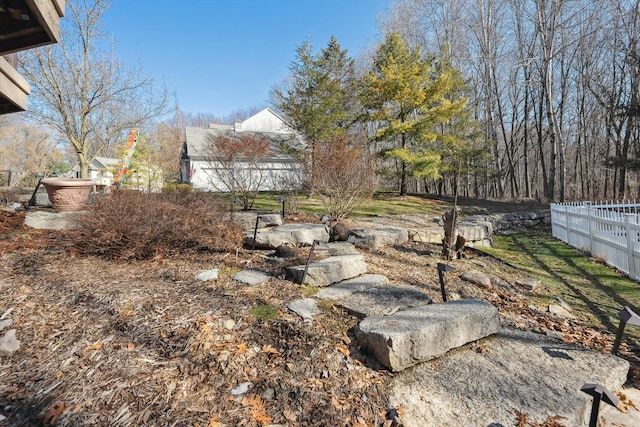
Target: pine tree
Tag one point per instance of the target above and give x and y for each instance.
(408, 97)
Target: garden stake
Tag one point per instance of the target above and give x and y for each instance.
(255, 232)
(442, 268)
(626, 316)
(599, 393)
(309, 258)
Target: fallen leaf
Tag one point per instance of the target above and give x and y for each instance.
(270, 350)
(213, 422)
(289, 415)
(54, 412)
(242, 348)
(95, 346)
(258, 411)
(131, 346)
(344, 350)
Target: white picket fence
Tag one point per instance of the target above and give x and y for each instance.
(608, 230)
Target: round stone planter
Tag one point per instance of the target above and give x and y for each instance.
(67, 194)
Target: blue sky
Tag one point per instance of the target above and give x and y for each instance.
(219, 56)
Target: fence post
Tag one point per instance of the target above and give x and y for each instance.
(590, 221)
(630, 246)
(566, 220)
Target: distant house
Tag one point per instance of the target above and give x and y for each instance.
(102, 171)
(280, 168)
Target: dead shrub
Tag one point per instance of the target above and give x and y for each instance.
(132, 225)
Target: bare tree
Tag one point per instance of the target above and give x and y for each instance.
(82, 91)
(238, 165)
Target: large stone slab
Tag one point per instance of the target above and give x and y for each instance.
(296, 234)
(43, 220)
(512, 372)
(336, 249)
(247, 220)
(330, 270)
(372, 295)
(424, 333)
(376, 238)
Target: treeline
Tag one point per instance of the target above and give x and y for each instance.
(542, 97)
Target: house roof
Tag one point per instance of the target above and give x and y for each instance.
(197, 139)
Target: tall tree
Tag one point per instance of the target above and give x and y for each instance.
(319, 98)
(409, 97)
(81, 90)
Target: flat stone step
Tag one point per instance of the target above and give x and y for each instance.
(329, 271)
(296, 234)
(376, 238)
(512, 372)
(372, 295)
(336, 249)
(424, 333)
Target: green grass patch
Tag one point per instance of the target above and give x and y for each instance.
(595, 291)
(263, 313)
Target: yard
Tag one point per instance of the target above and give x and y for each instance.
(141, 342)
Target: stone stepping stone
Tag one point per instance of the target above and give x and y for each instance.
(248, 220)
(296, 234)
(337, 249)
(512, 372)
(329, 271)
(250, 277)
(372, 295)
(424, 333)
(376, 238)
(305, 308)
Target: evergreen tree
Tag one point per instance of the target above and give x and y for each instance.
(408, 97)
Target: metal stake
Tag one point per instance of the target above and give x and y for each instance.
(599, 393)
(626, 316)
(310, 258)
(442, 268)
(255, 232)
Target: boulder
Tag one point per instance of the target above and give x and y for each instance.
(424, 333)
(512, 372)
(376, 238)
(8, 343)
(305, 308)
(336, 249)
(206, 275)
(250, 277)
(296, 234)
(477, 278)
(330, 270)
(42, 220)
(247, 220)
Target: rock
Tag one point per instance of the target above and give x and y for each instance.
(207, 275)
(5, 323)
(305, 308)
(372, 295)
(339, 233)
(477, 278)
(50, 220)
(251, 277)
(349, 287)
(269, 394)
(8, 343)
(286, 250)
(376, 238)
(241, 388)
(424, 333)
(532, 285)
(559, 310)
(328, 271)
(514, 371)
(229, 324)
(247, 220)
(337, 249)
(296, 234)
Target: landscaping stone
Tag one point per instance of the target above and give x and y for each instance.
(337, 249)
(532, 285)
(372, 295)
(250, 277)
(305, 308)
(42, 220)
(207, 275)
(247, 220)
(477, 278)
(512, 372)
(424, 333)
(558, 310)
(330, 270)
(8, 343)
(5, 323)
(296, 234)
(376, 238)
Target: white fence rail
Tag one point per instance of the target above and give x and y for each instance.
(610, 231)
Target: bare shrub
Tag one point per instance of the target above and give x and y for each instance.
(344, 176)
(133, 225)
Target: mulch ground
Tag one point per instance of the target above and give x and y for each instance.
(144, 343)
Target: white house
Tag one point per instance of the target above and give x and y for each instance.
(279, 169)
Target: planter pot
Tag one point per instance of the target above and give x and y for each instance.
(67, 194)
